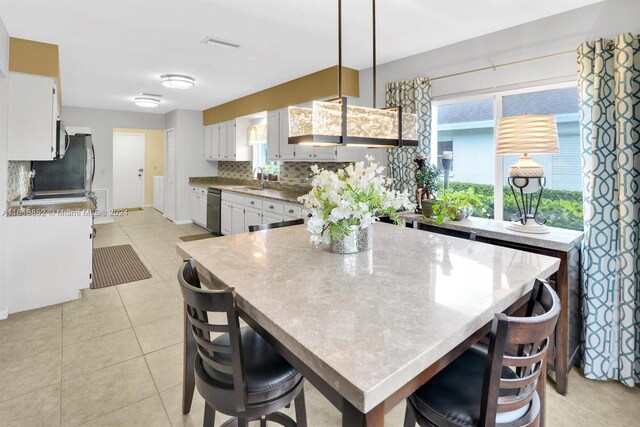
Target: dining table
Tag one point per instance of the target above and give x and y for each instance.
(368, 329)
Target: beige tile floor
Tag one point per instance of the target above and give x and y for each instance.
(113, 358)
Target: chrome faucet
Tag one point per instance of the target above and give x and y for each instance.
(255, 172)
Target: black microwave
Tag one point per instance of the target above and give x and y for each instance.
(62, 140)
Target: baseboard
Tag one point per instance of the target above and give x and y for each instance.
(183, 222)
(4, 314)
(104, 221)
(147, 206)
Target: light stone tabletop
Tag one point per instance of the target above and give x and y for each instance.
(560, 239)
(368, 323)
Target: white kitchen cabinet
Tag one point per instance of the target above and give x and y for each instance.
(237, 219)
(278, 147)
(208, 151)
(33, 116)
(198, 205)
(292, 212)
(232, 213)
(252, 217)
(39, 272)
(226, 214)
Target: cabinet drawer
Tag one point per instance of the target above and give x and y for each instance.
(253, 203)
(201, 191)
(232, 197)
(272, 208)
(294, 211)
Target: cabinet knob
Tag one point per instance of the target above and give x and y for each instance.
(253, 203)
(290, 210)
(271, 207)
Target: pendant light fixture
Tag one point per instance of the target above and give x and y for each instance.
(334, 123)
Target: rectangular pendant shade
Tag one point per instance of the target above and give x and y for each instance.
(373, 127)
(527, 133)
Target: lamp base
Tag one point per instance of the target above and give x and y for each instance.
(530, 227)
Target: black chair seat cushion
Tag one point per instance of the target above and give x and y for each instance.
(264, 368)
(455, 393)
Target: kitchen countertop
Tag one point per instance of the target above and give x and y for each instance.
(368, 323)
(51, 209)
(557, 239)
(284, 193)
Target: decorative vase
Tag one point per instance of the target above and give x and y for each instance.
(427, 207)
(460, 215)
(358, 240)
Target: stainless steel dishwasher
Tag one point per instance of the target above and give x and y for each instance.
(214, 210)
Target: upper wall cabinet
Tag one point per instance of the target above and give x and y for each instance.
(33, 116)
(227, 141)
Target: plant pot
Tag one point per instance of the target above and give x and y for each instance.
(427, 207)
(273, 177)
(358, 240)
(460, 215)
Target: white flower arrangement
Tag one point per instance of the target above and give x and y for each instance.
(351, 197)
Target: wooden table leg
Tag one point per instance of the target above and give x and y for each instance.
(562, 329)
(188, 364)
(352, 417)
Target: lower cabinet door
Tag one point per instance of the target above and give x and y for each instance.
(237, 219)
(252, 218)
(193, 199)
(202, 210)
(225, 218)
(270, 218)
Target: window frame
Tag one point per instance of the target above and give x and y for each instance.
(497, 97)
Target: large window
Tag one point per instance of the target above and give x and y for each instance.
(466, 127)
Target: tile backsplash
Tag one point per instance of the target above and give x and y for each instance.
(19, 184)
(297, 173)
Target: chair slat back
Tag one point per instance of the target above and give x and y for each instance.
(518, 346)
(200, 305)
(260, 227)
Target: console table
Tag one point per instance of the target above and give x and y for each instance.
(559, 243)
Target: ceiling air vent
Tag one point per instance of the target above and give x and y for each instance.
(210, 41)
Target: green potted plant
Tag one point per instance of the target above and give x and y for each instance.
(457, 205)
(427, 186)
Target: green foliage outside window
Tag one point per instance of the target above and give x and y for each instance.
(561, 208)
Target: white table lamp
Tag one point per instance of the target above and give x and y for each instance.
(527, 134)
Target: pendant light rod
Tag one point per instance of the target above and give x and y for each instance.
(373, 7)
(339, 48)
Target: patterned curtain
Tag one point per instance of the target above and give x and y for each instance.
(609, 85)
(414, 96)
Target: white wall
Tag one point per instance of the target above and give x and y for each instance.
(550, 35)
(4, 97)
(189, 143)
(102, 123)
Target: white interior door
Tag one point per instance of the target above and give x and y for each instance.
(170, 176)
(128, 170)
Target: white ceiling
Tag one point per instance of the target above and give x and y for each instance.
(111, 50)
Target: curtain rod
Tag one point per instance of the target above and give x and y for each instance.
(493, 67)
(610, 46)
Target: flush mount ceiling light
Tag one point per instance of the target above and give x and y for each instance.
(334, 123)
(147, 100)
(177, 81)
(210, 41)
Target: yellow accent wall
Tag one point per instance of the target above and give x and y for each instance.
(31, 57)
(318, 85)
(153, 157)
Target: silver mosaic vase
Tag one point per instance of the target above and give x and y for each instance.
(359, 240)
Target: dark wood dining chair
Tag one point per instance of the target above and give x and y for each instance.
(260, 227)
(494, 386)
(234, 369)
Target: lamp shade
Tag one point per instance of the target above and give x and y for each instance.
(527, 133)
